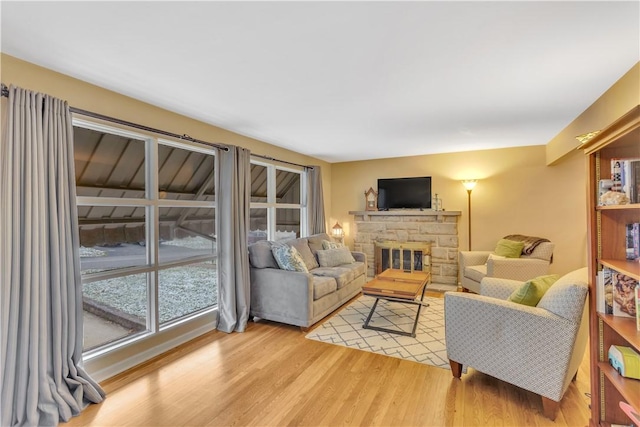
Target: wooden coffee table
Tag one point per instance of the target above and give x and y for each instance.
(397, 286)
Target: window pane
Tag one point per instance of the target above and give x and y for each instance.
(258, 225)
(287, 223)
(287, 187)
(184, 174)
(108, 165)
(186, 232)
(114, 309)
(258, 183)
(111, 237)
(186, 289)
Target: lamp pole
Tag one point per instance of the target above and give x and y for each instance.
(469, 184)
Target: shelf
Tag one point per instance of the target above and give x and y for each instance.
(630, 206)
(628, 388)
(625, 327)
(629, 268)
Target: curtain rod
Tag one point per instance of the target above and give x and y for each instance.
(5, 92)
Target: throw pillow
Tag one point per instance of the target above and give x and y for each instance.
(533, 290)
(288, 258)
(335, 257)
(302, 246)
(509, 248)
(327, 244)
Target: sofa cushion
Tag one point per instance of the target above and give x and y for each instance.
(288, 258)
(509, 248)
(343, 274)
(566, 297)
(302, 246)
(532, 290)
(476, 272)
(260, 255)
(323, 286)
(335, 257)
(315, 241)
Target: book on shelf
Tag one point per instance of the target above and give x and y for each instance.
(624, 294)
(625, 176)
(604, 291)
(638, 308)
(632, 237)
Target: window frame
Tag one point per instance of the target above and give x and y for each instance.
(271, 204)
(152, 204)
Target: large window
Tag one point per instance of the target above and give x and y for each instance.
(277, 211)
(147, 222)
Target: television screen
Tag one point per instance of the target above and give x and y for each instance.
(404, 193)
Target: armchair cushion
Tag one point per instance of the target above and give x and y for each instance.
(533, 290)
(509, 248)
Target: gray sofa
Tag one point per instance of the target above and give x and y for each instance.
(299, 298)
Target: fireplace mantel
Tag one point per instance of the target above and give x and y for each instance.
(439, 228)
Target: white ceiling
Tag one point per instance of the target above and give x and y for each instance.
(344, 81)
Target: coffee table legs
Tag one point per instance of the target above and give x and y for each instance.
(366, 324)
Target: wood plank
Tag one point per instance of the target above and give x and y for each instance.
(272, 375)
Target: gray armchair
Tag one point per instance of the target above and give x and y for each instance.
(475, 265)
(536, 348)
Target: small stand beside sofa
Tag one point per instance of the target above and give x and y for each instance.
(297, 297)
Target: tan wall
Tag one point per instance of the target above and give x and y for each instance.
(92, 98)
(516, 193)
(616, 101)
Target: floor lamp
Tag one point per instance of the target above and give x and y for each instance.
(469, 184)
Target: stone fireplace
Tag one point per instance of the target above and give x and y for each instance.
(439, 228)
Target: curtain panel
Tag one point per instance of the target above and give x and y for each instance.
(42, 379)
(315, 203)
(233, 252)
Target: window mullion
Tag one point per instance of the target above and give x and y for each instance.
(153, 235)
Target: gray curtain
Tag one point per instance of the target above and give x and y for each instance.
(315, 204)
(233, 253)
(42, 378)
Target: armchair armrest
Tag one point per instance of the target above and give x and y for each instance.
(496, 337)
(496, 287)
(521, 269)
(282, 296)
(467, 258)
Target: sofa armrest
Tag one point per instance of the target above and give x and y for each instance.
(496, 287)
(517, 268)
(495, 336)
(360, 257)
(282, 296)
(467, 258)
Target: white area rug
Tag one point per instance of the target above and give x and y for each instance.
(428, 347)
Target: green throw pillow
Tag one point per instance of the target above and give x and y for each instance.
(509, 248)
(532, 291)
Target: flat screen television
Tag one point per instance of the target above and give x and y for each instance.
(404, 193)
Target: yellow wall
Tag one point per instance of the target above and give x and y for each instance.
(516, 193)
(616, 101)
(92, 98)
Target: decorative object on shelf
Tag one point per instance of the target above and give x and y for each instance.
(337, 232)
(586, 137)
(371, 199)
(611, 198)
(624, 360)
(633, 415)
(436, 203)
(469, 184)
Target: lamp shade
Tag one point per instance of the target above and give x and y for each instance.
(469, 183)
(337, 230)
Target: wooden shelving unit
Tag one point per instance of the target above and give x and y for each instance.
(607, 249)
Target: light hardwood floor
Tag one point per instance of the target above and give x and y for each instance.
(271, 375)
